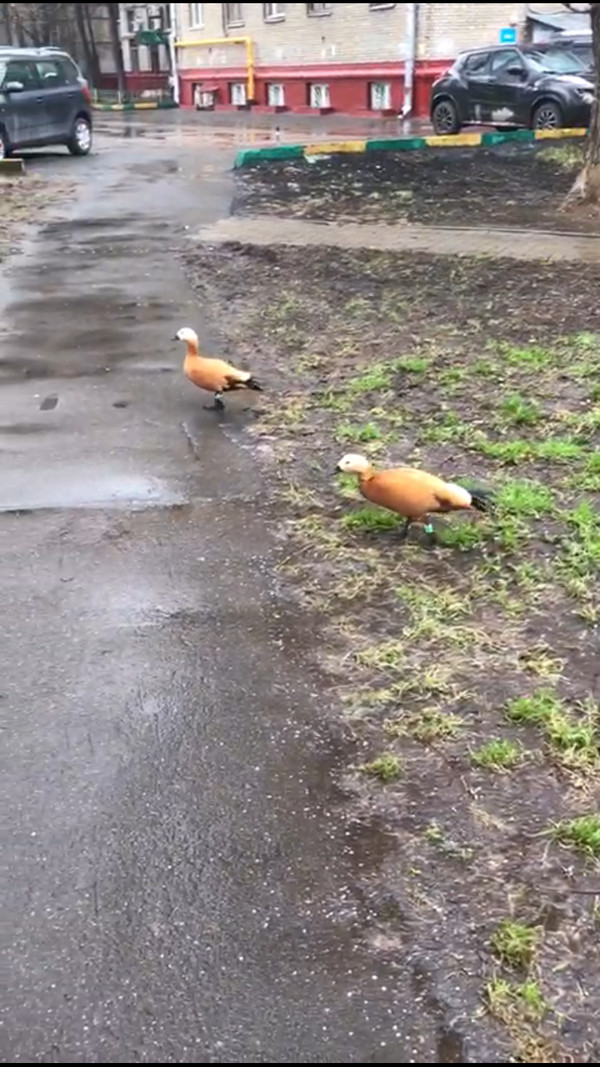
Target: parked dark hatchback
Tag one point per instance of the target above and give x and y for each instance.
(44, 100)
(511, 86)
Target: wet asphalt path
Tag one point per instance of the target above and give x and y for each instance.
(179, 875)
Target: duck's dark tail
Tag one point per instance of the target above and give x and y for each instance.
(252, 383)
(481, 499)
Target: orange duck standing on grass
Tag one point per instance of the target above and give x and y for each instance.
(214, 375)
(412, 493)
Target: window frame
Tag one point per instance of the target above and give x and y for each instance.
(318, 14)
(199, 11)
(238, 21)
(274, 16)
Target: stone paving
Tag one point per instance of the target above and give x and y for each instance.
(407, 237)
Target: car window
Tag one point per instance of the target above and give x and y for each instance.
(476, 64)
(23, 71)
(70, 71)
(557, 61)
(51, 73)
(584, 53)
(502, 60)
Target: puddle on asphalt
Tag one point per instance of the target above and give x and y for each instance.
(76, 489)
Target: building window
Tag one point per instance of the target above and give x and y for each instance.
(272, 12)
(237, 93)
(194, 13)
(131, 21)
(380, 7)
(276, 95)
(233, 15)
(134, 57)
(380, 96)
(318, 9)
(318, 95)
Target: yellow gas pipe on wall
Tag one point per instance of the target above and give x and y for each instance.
(246, 41)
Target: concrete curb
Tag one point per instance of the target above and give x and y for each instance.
(399, 144)
(150, 105)
(11, 167)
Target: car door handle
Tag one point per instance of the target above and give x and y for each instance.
(39, 99)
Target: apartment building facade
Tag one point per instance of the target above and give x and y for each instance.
(352, 58)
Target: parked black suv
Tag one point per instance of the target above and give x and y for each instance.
(44, 100)
(513, 86)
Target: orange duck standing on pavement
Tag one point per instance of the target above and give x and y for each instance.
(214, 375)
(412, 493)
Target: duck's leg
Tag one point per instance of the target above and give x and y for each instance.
(428, 527)
(404, 530)
(218, 404)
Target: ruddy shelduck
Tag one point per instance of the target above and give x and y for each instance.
(214, 375)
(412, 493)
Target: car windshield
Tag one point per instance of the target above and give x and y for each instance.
(556, 61)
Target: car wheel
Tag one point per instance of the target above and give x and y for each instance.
(547, 116)
(80, 141)
(445, 118)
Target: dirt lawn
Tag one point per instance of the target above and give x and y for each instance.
(506, 186)
(467, 673)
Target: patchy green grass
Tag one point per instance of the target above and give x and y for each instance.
(499, 754)
(581, 833)
(467, 661)
(514, 943)
(370, 520)
(386, 768)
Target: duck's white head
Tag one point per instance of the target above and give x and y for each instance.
(353, 464)
(187, 334)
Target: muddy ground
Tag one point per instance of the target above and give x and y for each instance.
(467, 673)
(24, 200)
(507, 186)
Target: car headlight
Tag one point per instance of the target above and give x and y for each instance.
(586, 96)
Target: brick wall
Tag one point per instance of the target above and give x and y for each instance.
(348, 33)
(350, 46)
(446, 29)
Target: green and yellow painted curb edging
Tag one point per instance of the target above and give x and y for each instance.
(399, 144)
(142, 105)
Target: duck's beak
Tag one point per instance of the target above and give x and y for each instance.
(175, 338)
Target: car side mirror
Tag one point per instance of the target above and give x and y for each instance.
(13, 87)
(515, 71)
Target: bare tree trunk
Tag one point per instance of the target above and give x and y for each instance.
(89, 22)
(586, 187)
(6, 21)
(115, 36)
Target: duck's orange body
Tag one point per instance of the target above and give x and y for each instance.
(412, 493)
(214, 375)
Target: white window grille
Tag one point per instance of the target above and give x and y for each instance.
(276, 95)
(381, 96)
(238, 93)
(319, 95)
(318, 9)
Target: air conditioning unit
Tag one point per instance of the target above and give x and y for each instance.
(238, 93)
(319, 95)
(276, 95)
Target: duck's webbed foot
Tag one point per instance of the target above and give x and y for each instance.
(218, 404)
